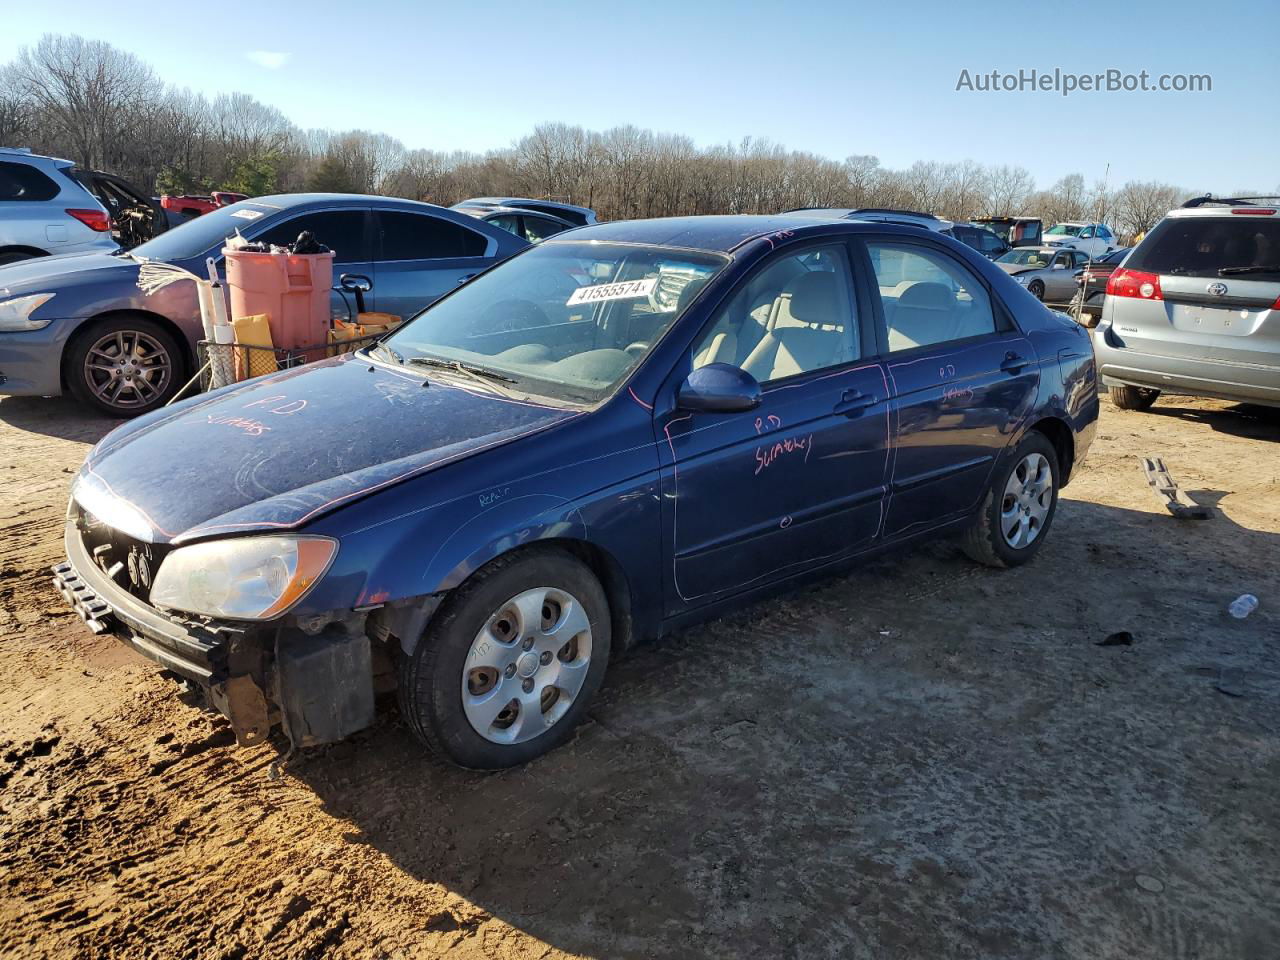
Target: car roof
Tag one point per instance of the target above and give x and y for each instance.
(484, 213)
(519, 204)
(724, 233)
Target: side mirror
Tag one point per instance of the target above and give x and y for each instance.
(719, 388)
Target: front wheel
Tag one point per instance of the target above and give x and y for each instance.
(1133, 398)
(1019, 506)
(507, 667)
(1036, 289)
(124, 366)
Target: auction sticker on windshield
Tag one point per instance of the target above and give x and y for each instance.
(612, 291)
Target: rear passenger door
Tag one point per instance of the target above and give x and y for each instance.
(962, 377)
(420, 257)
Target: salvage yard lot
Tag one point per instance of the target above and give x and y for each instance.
(924, 758)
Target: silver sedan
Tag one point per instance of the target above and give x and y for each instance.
(1047, 272)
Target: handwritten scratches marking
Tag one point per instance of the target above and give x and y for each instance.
(768, 456)
(490, 497)
(254, 428)
(647, 406)
(284, 409)
(768, 424)
(784, 523)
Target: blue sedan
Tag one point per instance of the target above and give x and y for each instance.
(614, 434)
(80, 323)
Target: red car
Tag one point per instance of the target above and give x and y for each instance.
(1092, 281)
(189, 206)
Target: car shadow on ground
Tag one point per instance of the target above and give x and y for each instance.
(60, 417)
(922, 758)
(1249, 421)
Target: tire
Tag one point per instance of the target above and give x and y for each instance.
(1133, 398)
(104, 355)
(1036, 289)
(16, 256)
(478, 657)
(987, 540)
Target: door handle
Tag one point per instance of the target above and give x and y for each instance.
(853, 402)
(1013, 363)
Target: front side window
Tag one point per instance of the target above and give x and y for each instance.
(21, 181)
(928, 297)
(562, 320)
(537, 229)
(418, 236)
(795, 315)
(507, 221)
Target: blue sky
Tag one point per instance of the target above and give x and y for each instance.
(830, 77)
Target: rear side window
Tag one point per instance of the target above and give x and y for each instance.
(416, 236)
(928, 297)
(1203, 246)
(20, 181)
(539, 228)
(342, 231)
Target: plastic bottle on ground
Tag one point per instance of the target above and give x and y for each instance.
(1243, 605)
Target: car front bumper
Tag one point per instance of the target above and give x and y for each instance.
(1199, 377)
(31, 360)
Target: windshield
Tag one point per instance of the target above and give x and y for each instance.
(194, 237)
(563, 320)
(1205, 246)
(1027, 258)
(1064, 230)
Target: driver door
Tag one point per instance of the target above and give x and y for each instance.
(756, 496)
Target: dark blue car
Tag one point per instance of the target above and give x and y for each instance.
(618, 432)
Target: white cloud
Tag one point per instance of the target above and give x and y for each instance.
(271, 59)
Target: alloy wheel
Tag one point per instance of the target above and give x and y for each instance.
(526, 665)
(126, 369)
(1028, 497)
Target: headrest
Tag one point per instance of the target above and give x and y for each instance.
(930, 296)
(813, 296)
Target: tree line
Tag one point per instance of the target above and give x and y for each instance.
(107, 109)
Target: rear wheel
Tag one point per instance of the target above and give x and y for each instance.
(124, 366)
(1133, 398)
(16, 256)
(1019, 506)
(509, 664)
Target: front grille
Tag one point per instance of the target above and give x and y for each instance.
(129, 562)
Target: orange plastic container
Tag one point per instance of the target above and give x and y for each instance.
(291, 289)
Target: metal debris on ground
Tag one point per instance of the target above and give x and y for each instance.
(1166, 488)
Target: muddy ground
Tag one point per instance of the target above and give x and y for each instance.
(922, 759)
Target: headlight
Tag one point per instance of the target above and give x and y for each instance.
(1021, 279)
(250, 578)
(15, 314)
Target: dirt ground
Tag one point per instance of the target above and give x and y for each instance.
(922, 759)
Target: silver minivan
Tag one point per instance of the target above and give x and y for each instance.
(45, 210)
(1195, 308)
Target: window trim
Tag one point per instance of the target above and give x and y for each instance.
(375, 240)
(1005, 323)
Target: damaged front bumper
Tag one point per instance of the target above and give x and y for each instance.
(318, 683)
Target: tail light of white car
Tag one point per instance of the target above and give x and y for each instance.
(1134, 283)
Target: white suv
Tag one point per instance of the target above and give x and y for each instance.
(44, 209)
(1094, 239)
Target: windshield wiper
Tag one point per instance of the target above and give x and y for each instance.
(1236, 271)
(458, 365)
(395, 357)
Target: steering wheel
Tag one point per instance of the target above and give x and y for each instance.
(638, 348)
(507, 316)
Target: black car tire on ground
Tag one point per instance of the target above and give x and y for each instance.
(430, 680)
(76, 373)
(1036, 289)
(985, 541)
(1133, 398)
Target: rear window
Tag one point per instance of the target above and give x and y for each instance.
(1203, 246)
(417, 236)
(20, 181)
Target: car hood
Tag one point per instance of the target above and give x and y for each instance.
(51, 274)
(281, 450)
